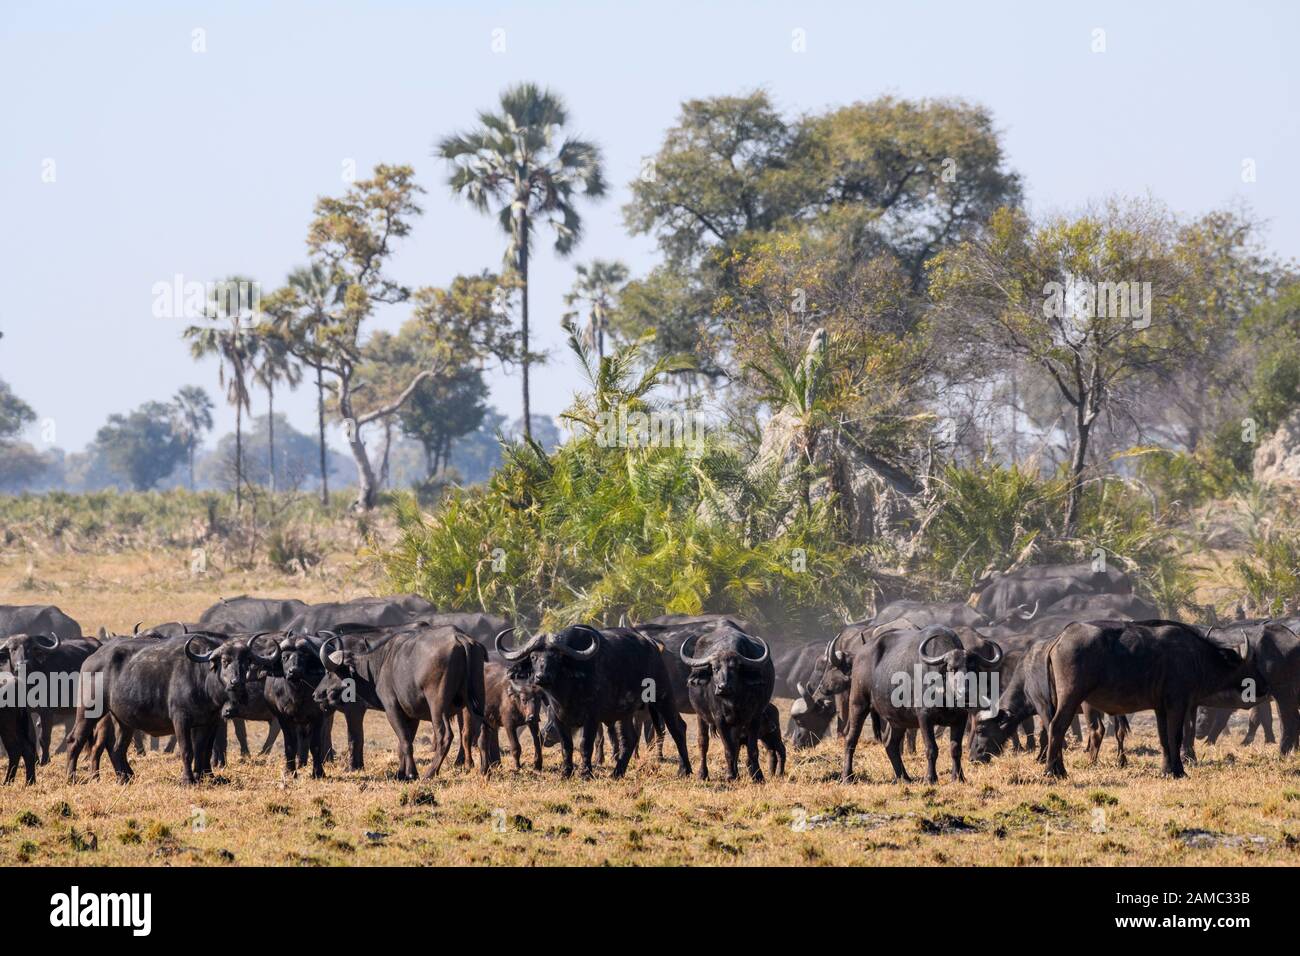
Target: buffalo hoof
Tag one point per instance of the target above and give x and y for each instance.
(848, 778)
(757, 776)
(1123, 760)
(684, 770)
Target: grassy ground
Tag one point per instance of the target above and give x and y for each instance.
(1240, 805)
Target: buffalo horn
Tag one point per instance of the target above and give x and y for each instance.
(927, 658)
(687, 659)
(766, 651)
(518, 653)
(597, 639)
(197, 658)
(40, 639)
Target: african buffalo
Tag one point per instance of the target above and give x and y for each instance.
(730, 686)
(51, 663)
(411, 673)
(1045, 585)
(37, 619)
(509, 706)
(182, 685)
(916, 678)
(1120, 667)
(16, 734)
(249, 615)
(289, 691)
(590, 677)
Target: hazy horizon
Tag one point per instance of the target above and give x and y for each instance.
(168, 161)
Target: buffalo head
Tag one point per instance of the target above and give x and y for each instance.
(942, 650)
(729, 661)
(23, 652)
(234, 662)
(552, 657)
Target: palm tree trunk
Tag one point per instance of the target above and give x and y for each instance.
(521, 240)
(320, 416)
(191, 457)
(270, 430)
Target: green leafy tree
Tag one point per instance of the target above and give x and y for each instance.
(514, 161)
(1060, 295)
(192, 410)
(352, 238)
(144, 446)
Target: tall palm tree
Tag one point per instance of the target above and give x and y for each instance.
(596, 287)
(229, 334)
(276, 365)
(192, 408)
(298, 315)
(515, 160)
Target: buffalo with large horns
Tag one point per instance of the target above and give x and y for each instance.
(591, 677)
(924, 679)
(183, 685)
(412, 673)
(730, 685)
(57, 660)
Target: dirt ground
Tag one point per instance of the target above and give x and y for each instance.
(1239, 805)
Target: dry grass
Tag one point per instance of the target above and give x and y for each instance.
(1248, 800)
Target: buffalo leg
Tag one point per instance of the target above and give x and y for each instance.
(290, 748)
(731, 748)
(241, 735)
(534, 731)
(47, 727)
(954, 754)
(592, 734)
(272, 733)
(118, 752)
(1176, 722)
(1188, 737)
(566, 750)
(216, 757)
(1096, 733)
(776, 751)
(1062, 720)
(441, 741)
(931, 748)
(184, 740)
(859, 707)
(894, 737)
(1120, 727)
(751, 754)
(404, 728)
(516, 749)
(205, 746)
(627, 731)
(356, 721)
(1289, 715)
(315, 734)
(702, 741)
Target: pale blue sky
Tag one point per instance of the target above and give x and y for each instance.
(169, 161)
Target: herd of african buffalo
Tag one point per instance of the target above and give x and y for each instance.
(1036, 650)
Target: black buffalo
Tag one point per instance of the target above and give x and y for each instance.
(1045, 585)
(49, 665)
(411, 673)
(288, 692)
(1120, 667)
(16, 734)
(182, 685)
(907, 678)
(591, 678)
(250, 614)
(730, 685)
(37, 619)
